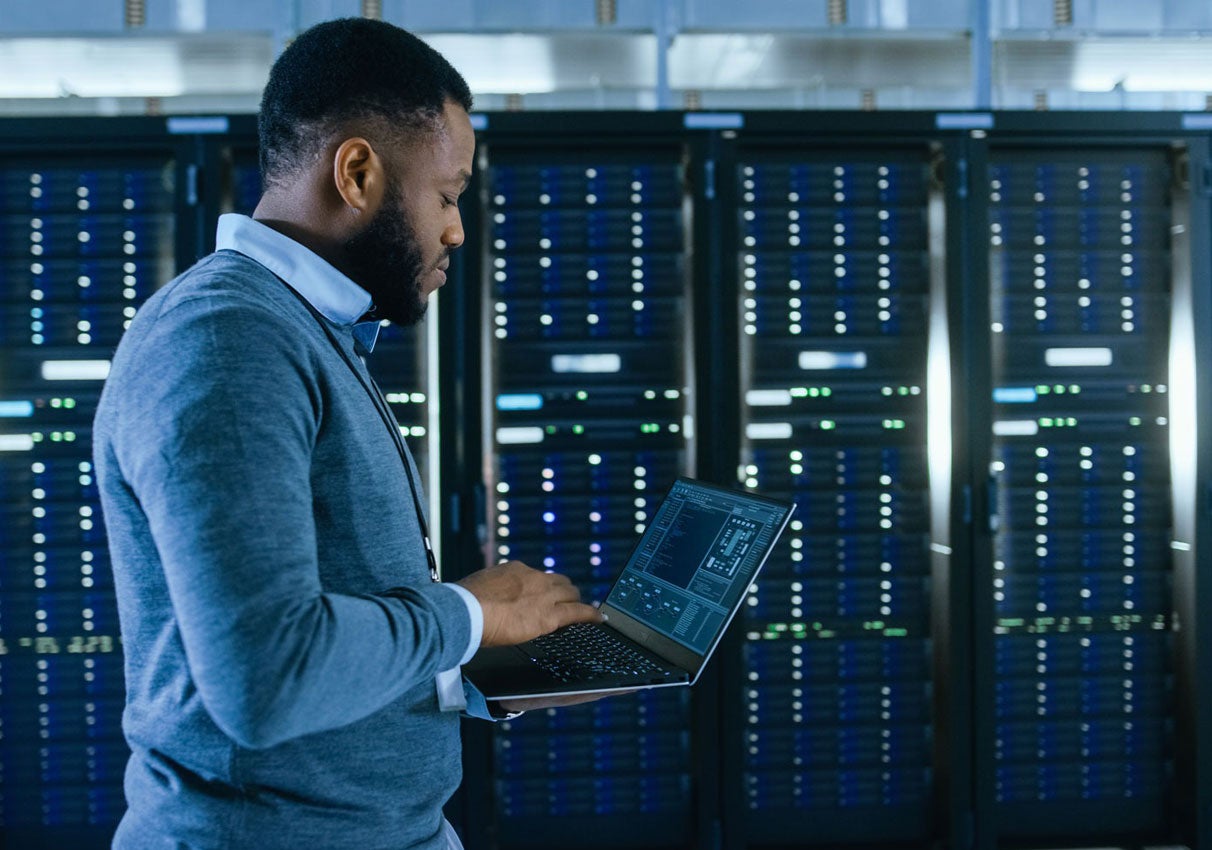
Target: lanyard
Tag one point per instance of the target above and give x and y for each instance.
(380, 403)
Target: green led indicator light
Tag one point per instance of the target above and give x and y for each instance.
(828, 424)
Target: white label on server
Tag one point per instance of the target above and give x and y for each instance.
(16, 442)
(815, 360)
(1078, 356)
(517, 436)
(768, 398)
(768, 430)
(75, 370)
(586, 363)
(1015, 428)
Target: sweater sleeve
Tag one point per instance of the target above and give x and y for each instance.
(219, 419)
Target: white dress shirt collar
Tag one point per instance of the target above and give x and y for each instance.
(331, 293)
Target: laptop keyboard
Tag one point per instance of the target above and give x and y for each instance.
(584, 652)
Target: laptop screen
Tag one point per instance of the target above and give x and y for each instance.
(696, 560)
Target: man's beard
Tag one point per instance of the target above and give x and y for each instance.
(385, 260)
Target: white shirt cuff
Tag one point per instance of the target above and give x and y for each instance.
(476, 613)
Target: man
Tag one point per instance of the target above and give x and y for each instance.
(291, 660)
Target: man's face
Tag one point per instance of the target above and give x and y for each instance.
(402, 255)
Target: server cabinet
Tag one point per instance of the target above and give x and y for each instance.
(87, 231)
(1082, 269)
(838, 242)
(587, 404)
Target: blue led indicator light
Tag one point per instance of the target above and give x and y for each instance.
(964, 120)
(519, 401)
(713, 121)
(16, 409)
(1197, 121)
(1015, 395)
(189, 124)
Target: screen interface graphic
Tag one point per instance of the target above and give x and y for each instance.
(702, 554)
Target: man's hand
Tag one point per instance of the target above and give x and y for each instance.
(521, 603)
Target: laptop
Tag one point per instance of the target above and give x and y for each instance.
(684, 582)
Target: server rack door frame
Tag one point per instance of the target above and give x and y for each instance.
(716, 418)
(1193, 514)
(960, 614)
(719, 415)
(465, 522)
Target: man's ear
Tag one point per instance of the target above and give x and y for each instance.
(358, 175)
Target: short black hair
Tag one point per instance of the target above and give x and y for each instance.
(344, 70)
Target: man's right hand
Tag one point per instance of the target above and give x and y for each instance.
(521, 603)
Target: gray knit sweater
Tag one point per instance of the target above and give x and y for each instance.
(257, 507)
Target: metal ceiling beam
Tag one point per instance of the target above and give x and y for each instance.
(982, 56)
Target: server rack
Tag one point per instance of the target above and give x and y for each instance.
(88, 230)
(1089, 484)
(837, 253)
(587, 405)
